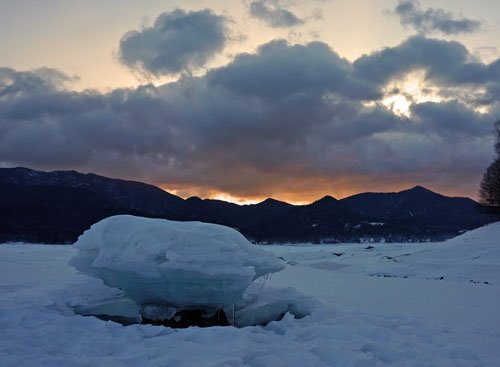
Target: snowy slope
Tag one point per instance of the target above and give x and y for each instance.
(472, 257)
(368, 319)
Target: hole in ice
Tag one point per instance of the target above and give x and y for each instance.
(259, 306)
(187, 318)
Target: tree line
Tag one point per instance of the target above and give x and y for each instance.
(489, 190)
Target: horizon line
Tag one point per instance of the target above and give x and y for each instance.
(228, 198)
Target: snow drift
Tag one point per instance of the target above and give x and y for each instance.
(175, 265)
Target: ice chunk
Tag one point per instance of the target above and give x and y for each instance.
(158, 312)
(260, 305)
(90, 297)
(183, 264)
(122, 310)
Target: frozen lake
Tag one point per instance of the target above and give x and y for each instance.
(432, 304)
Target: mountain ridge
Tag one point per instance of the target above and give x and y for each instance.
(413, 214)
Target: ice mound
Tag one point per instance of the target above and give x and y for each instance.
(162, 262)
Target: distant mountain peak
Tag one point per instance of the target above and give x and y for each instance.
(194, 199)
(326, 200)
(269, 200)
(419, 190)
(329, 197)
(272, 202)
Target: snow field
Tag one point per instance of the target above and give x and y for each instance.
(370, 314)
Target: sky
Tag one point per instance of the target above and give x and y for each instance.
(244, 100)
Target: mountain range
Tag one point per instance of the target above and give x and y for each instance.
(56, 207)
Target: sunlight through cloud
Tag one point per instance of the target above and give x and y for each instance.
(400, 94)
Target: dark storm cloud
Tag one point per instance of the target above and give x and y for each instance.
(441, 59)
(284, 119)
(52, 126)
(280, 70)
(273, 14)
(431, 20)
(446, 63)
(177, 41)
(39, 80)
(450, 119)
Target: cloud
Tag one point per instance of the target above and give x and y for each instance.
(279, 70)
(432, 20)
(287, 120)
(177, 41)
(442, 60)
(454, 118)
(274, 14)
(39, 80)
(446, 63)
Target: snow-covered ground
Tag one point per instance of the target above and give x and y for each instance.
(391, 305)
